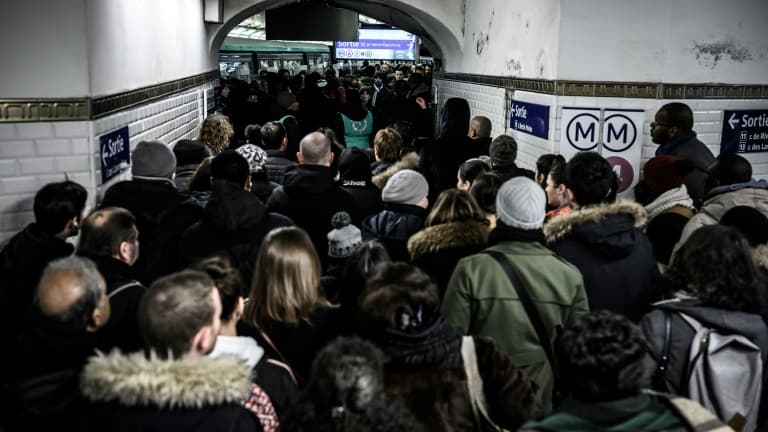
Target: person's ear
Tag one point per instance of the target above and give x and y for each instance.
(98, 317)
(569, 194)
(300, 158)
(239, 309)
(284, 143)
(330, 158)
(124, 252)
(203, 341)
(248, 184)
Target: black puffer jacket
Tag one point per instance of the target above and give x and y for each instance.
(277, 165)
(234, 223)
(310, 197)
(615, 258)
(393, 226)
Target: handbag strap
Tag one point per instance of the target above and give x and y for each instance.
(284, 363)
(530, 309)
(661, 371)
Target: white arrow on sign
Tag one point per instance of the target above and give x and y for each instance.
(733, 120)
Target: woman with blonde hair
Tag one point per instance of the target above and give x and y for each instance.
(286, 312)
(455, 228)
(215, 132)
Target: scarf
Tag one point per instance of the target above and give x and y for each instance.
(667, 200)
(437, 347)
(504, 233)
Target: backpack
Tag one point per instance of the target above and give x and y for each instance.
(724, 373)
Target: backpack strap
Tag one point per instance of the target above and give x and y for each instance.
(530, 310)
(663, 361)
(698, 418)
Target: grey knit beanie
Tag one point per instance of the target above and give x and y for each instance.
(521, 203)
(153, 159)
(503, 151)
(405, 187)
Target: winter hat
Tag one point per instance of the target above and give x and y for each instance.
(750, 221)
(666, 172)
(153, 159)
(521, 203)
(344, 239)
(354, 165)
(405, 187)
(190, 152)
(255, 156)
(503, 151)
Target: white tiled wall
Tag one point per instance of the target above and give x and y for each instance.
(493, 103)
(33, 154)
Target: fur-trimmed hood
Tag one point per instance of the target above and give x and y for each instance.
(408, 161)
(448, 235)
(561, 226)
(135, 380)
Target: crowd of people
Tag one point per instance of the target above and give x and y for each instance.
(334, 267)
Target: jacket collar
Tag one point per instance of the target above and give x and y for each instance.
(448, 235)
(136, 380)
(560, 226)
(408, 161)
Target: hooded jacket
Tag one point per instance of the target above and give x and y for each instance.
(606, 244)
(234, 222)
(356, 180)
(438, 248)
(21, 263)
(310, 197)
(393, 226)
(130, 393)
(277, 165)
(723, 198)
(408, 161)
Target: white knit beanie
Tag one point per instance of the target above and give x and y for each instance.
(521, 203)
(405, 187)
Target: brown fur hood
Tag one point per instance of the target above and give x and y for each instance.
(560, 226)
(452, 234)
(761, 255)
(135, 380)
(408, 161)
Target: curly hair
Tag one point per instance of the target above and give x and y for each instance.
(716, 266)
(346, 393)
(215, 132)
(602, 357)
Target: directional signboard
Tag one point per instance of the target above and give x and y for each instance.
(115, 153)
(744, 131)
(529, 118)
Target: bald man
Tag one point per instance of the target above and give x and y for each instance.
(58, 337)
(310, 195)
(480, 134)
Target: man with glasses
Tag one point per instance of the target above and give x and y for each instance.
(672, 130)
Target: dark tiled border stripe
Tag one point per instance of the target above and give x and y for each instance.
(616, 89)
(106, 105)
(46, 110)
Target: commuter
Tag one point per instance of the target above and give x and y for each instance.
(544, 164)
(440, 160)
(346, 392)
(58, 210)
(234, 221)
(315, 110)
(672, 130)
(310, 196)
(275, 142)
(71, 305)
(189, 154)
(354, 124)
(215, 132)
(483, 300)
(715, 274)
(408, 161)
(602, 358)
(729, 184)
(387, 149)
(343, 241)
(429, 363)
(110, 239)
(405, 209)
(149, 195)
(269, 373)
(469, 171)
(558, 203)
(407, 136)
(455, 228)
(179, 318)
(287, 313)
(480, 133)
(484, 190)
(355, 177)
(253, 134)
(503, 153)
(201, 179)
(381, 92)
(602, 237)
(293, 134)
(261, 186)
(670, 207)
(337, 148)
